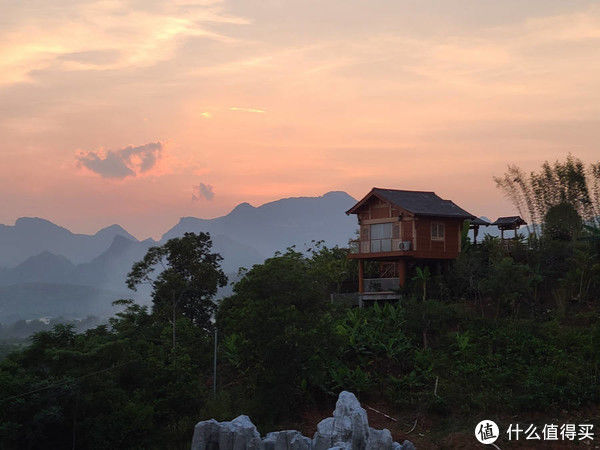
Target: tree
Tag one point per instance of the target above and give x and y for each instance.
(562, 222)
(509, 283)
(422, 277)
(562, 182)
(331, 266)
(188, 282)
(277, 335)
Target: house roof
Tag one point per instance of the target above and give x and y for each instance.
(420, 203)
(480, 222)
(509, 221)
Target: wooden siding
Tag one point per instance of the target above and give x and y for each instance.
(376, 208)
(449, 247)
(407, 228)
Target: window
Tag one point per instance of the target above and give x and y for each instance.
(381, 230)
(437, 231)
(381, 237)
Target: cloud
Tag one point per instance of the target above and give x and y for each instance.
(126, 162)
(250, 110)
(203, 191)
(103, 35)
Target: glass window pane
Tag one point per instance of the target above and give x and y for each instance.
(386, 245)
(387, 230)
(381, 230)
(376, 246)
(376, 231)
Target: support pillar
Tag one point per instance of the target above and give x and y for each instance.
(402, 272)
(361, 273)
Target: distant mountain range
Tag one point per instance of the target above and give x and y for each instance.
(46, 270)
(30, 236)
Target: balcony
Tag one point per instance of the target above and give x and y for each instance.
(381, 284)
(395, 246)
(380, 290)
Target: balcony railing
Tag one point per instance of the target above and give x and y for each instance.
(380, 246)
(381, 284)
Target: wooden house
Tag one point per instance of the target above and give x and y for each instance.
(400, 227)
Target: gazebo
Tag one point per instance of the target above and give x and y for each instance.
(509, 223)
(475, 224)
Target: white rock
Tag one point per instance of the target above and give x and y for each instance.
(239, 434)
(205, 434)
(348, 429)
(322, 439)
(351, 424)
(407, 445)
(286, 440)
(379, 439)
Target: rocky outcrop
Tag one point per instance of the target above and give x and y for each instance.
(348, 429)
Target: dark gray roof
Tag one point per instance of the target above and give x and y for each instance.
(420, 203)
(480, 222)
(509, 220)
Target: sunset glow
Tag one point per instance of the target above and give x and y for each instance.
(140, 112)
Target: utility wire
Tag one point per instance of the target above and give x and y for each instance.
(65, 381)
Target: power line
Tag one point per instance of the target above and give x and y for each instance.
(65, 381)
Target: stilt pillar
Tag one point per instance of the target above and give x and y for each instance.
(402, 272)
(361, 274)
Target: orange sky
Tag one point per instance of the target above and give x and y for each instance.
(140, 112)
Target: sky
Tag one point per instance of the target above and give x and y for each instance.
(143, 111)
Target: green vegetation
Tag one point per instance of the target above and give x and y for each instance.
(509, 329)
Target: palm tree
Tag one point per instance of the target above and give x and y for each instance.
(422, 276)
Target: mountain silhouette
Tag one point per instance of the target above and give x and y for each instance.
(45, 267)
(30, 236)
(36, 254)
(277, 225)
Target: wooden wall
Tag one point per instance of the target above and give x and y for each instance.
(447, 248)
(376, 211)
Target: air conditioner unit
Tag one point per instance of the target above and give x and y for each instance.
(405, 246)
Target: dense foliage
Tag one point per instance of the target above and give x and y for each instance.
(510, 327)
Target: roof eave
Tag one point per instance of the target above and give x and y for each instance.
(446, 216)
(371, 193)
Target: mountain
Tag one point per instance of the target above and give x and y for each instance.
(30, 236)
(276, 225)
(45, 267)
(110, 268)
(50, 271)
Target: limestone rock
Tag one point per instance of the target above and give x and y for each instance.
(350, 423)
(286, 440)
(379, 439)
(407, 445)
(206, 435)
(239, 434)
(348, 429)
